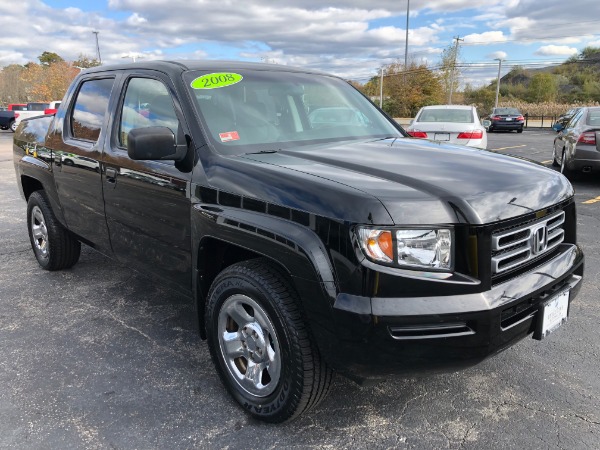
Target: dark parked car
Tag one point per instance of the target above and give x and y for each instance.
(563, 120)
(576, 148)
(506, 119)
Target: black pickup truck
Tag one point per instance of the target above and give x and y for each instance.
(311, 233)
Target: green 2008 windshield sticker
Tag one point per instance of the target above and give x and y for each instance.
(216, 80)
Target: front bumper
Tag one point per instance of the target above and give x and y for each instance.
(445, 333)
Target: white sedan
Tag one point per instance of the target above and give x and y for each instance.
(457, 124)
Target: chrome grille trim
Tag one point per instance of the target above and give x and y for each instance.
(515, 247)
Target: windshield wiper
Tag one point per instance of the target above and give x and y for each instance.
(262, 152)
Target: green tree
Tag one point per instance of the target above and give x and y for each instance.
(48, 58)
(542, 88)
(483, 98)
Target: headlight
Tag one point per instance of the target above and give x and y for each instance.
(415, 248)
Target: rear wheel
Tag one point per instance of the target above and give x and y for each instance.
(13, 126)
(54, 246)
(520, 130)
(260, 343)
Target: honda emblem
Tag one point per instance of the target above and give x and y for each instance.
(539, 239)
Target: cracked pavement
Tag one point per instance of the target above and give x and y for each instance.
(100, 357)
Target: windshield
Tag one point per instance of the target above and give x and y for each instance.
(251, 110)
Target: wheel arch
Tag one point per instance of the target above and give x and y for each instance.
(234, 236)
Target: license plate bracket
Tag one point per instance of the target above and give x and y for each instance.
(552, 314)
(441, 137)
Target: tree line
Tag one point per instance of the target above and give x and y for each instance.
(45, 81)
(548, 91)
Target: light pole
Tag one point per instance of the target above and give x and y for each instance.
(406, 41)
(498, 81)
(98, 47)
(381, 90)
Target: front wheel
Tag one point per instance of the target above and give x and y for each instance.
(54, 247)
(260, 343)
(554, 160)
(563, 166)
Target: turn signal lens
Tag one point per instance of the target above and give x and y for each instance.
(588, 137)
(477, 134)
(418, 134)
(415, 248)
(377, 244)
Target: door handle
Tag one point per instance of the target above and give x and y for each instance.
(111, 175)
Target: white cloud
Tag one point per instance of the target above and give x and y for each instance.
(135, 19)
(484, 38)
(497, 55)
(556, 50)
(593, 44)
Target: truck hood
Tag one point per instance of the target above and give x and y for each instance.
(400, 181)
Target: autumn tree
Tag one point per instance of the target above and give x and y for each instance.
(406, 91)
(449, 73)
(12, 86)
(85, 62)
(47, 83)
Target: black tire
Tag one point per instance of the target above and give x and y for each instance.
(293, 378)
(490, 130)
(12, 126)
(520, 130)
(54, 247)
(554, 161)
(570, 174)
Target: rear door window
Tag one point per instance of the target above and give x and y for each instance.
(90, 109)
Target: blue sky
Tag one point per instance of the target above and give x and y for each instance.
(351, 38)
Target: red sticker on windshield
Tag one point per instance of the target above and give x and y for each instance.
(229, 136)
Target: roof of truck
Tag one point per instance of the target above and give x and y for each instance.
(184, 65)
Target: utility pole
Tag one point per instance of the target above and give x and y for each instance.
(381, 90)
(498, 81)
(98, 47)
(457, 39)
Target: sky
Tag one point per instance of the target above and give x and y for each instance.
(349, 38)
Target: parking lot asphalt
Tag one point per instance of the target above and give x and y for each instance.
(100, 357)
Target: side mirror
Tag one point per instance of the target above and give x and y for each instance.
(558, 127)
(486, 123)
(154, 143)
